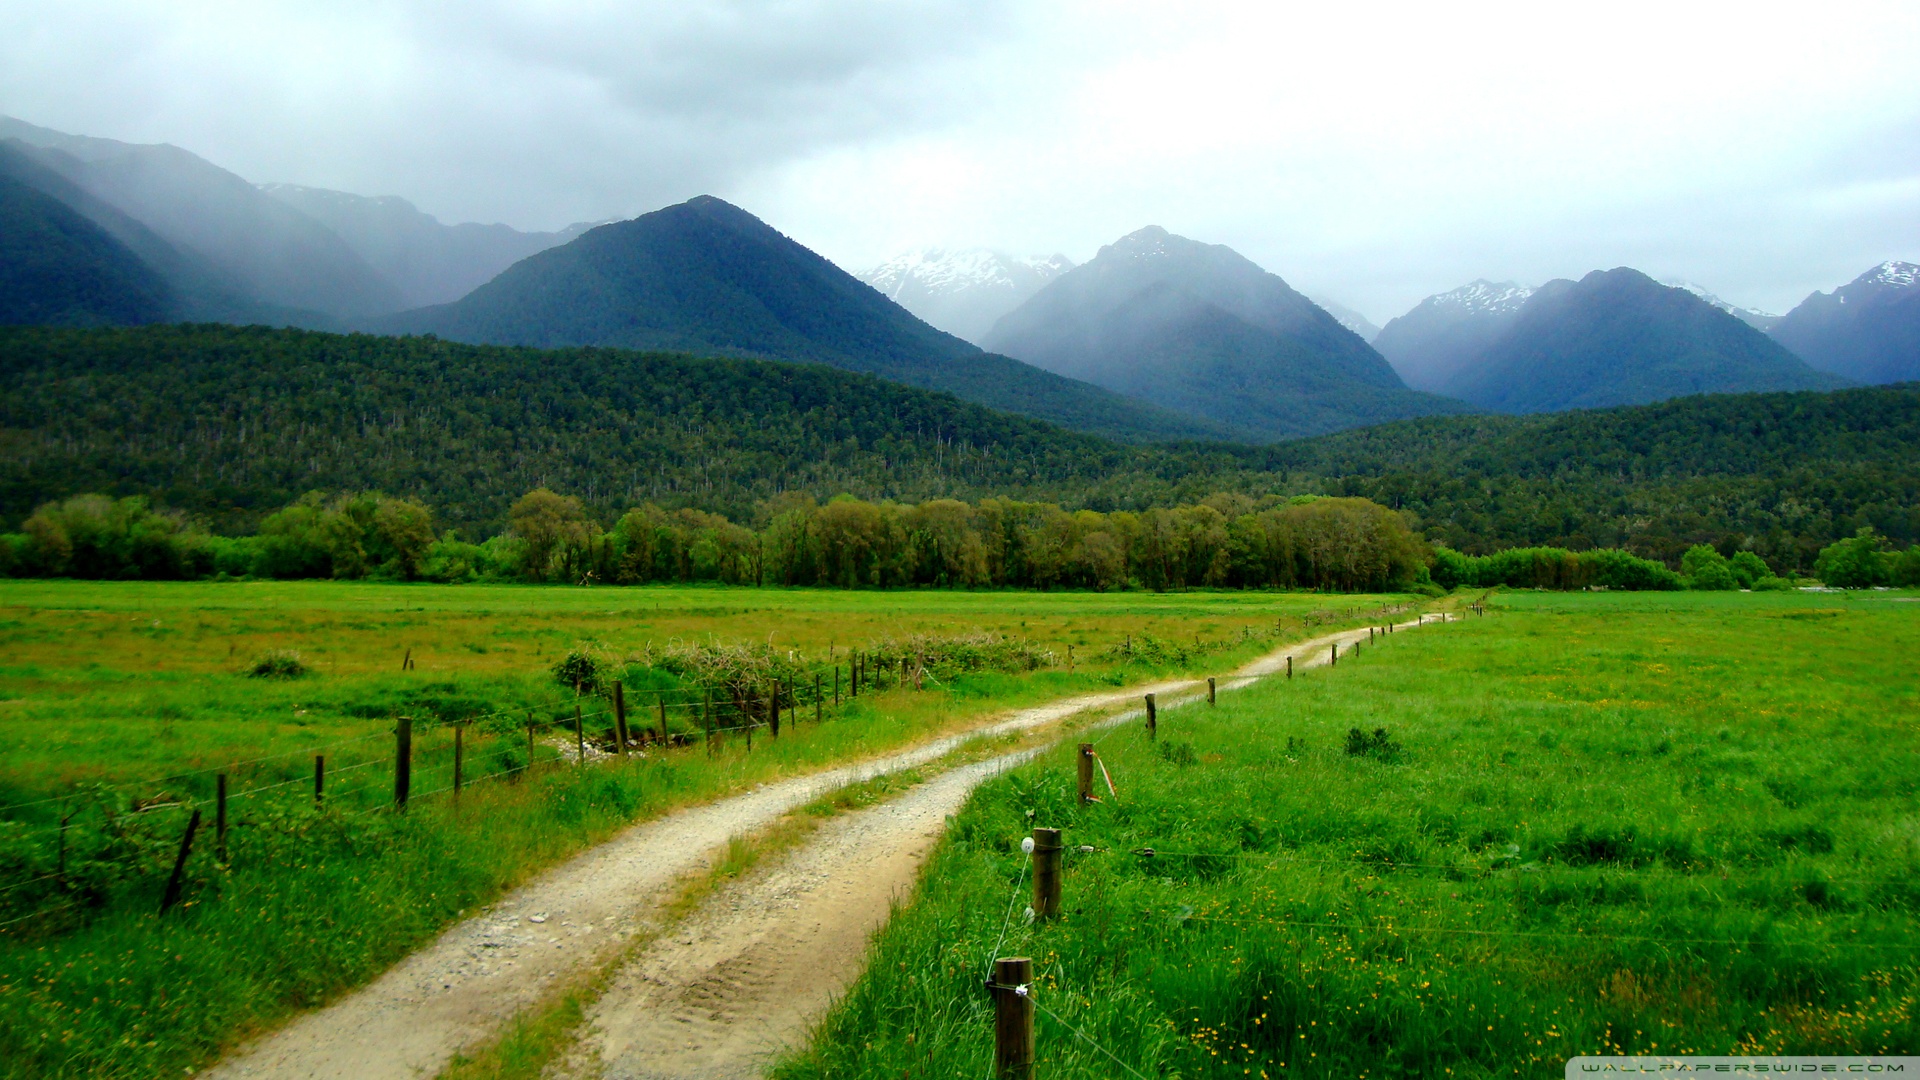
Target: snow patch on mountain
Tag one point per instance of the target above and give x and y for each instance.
(1483, 297)
(963, 292)
(1894, 274)
(1759, 320)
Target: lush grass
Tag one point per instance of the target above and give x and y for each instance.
(1613, 823)
(113, 690)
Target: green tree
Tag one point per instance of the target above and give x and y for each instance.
(1853, 563)
(1707, 569)
(1748, 568)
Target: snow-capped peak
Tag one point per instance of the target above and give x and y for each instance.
(1894, 274)
(1731, 309)
(933, 271)
(1484, 297)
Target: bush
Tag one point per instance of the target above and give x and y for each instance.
(1748, 568)
(1854, 563)
(1906, 568)
(582, 670)
(1551, 568)
(1772, 584)
(1706, 569)
(278, 664)
(1376, 745)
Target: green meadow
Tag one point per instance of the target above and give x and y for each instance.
(1582, 824)
(120, 702)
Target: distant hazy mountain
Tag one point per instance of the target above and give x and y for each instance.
(1759, 320)
(1349, 318)
(427, 262)
(1430, 345)
(1617, 337)
(277, 254)
(963, 292)
(1867, 329)
(707, 277)
(59, 269)
(1198, 328)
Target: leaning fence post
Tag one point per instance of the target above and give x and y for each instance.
(1086, 772)
(620, 717)
(1046, 873)
(1012, 1018)
(172, 895)
(1153, 717)
(402, 760)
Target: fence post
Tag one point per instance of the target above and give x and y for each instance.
(663, 718)
(579, 736)
(1153, 718)
(319, 777)
(1289, 667)
(773, 710)
(1046, 873)
(406, 662)
(1012, 1018)
(1069, 659)
(1333, 654)
(620, 717)
(836, 685)
(402, 760)
(853, 675)
(220, 817)
(706, 715)
(459, 757)
(1210, 691)
(172, 895)
(1085, 770)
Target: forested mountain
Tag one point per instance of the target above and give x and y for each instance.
(1362, 326)
(1615, 337)
(1445, 334)
(59, 269)
(1199, 328)
(274, 253)
(232, 423)
(707, 277)
(1867, 330)
(426, 261)
(963, 292)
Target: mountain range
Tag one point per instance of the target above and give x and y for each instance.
(1615, 337)
(963, 292)
(1867, 330)
(1201, 329)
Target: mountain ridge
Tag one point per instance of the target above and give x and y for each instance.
(1867, 329)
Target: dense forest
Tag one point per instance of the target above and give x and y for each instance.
(231, 424)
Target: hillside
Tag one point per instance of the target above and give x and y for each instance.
(1200, 329)
(232, 422)
(274, 254)
(57, 268)
(707, 277)
(1617, 337)
(1867, 330)
(1444, 334)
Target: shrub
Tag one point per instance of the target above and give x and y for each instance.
(1772, 584)
(278, 664)
(580, 670)
(1748, 568)
(1906, 567)
(1853, 563)
(1706, 569)
(1376, 745)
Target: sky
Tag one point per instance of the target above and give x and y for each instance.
(1370, 153)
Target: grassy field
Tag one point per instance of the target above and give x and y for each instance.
(120, 701)
(1596, 823)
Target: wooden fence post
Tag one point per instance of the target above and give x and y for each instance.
(706, 715)
(1211, 689)
(402, 760)
(579, 736)
(1289, 667)
(406, 662)
(1012, 1018)
(1069, 659)
(1085, 770)
(172, 895)
(319, 777)
(836, 685)
(663, 719)
(1046, 873)
(773, 710)
(620, 717)
(1333, 654)
(1153, 717)
(459, 757)
(220, 817)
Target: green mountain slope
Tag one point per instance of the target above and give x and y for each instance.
(232, 422)
(1199, 328)
(58, 268)
(707, 277)
(1617, 337)
(1867, 329)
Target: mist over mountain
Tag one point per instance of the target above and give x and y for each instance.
(1349, 318)
(1443, 334)
(426, 261)
(1762, 321)
(1199, 328)
(1617, 337)
(1867, 329)
(277, 254)
(707, 277)
(963, 292)
(59, 269)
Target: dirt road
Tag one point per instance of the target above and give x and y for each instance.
(712, 998)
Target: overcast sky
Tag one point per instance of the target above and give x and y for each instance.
(1371, 153)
